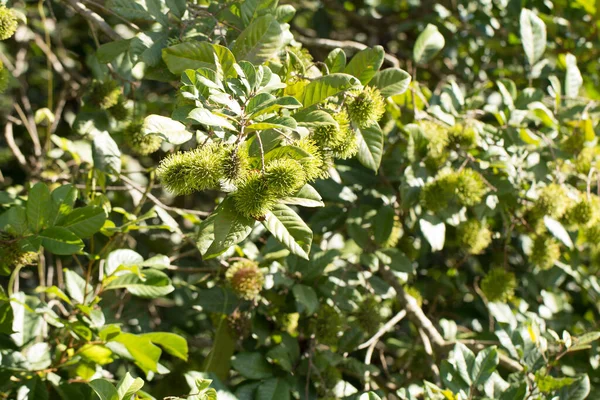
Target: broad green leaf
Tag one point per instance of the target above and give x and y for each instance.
(533, 35)
(307, 196)
(579, 390)
(33, 389)
(306, 299)
(391, 81)
(464, 360)
(6, 314)
(260, 41)
(369, 396)
(106, 154)
(38, 207)
(250, 9)
(435, 233)
(63, 200)
(485, 364)
(172, 131)
(558, 231)
(96, 353)
(144, 353)
(173, 344)
(252, 365)
(218, 361)
(177, 7)
(77, 288)
(370, 146)
(129, 386)
(121, 257)
(273, 389)
(85, 221)
(285, 12)
(573, 79)
(194, 55)
(365, 64)
(271, 105)
(111, 50)
(205, 117)
(383, 224)
(229, 229)
(428, 44)
(154, 284)
(273, 123)
(61, 241)
(314, 118)
(336, 61)
(16, 218)
(289, 229)
(326, 86)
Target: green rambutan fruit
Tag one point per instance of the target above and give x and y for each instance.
(582, 213)
(592, 234)
(368, 315)
(314, 165)
(327, 325)
(288, 322)
(195, 170)
(8, 23)
(462, 136)
(436, 194)
(119, 111)
(365, 107)
(437, 140)
(253, 197)
(12, 254)
(245, 278)
(586, 159)
(235, 162)
(545, 252)
(139, 142)
(473, 237)
(470, 187)
(105, 94)
(339, 140)
(499, 285)
(552, 201)
(284, 176)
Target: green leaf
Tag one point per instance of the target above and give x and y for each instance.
(260, 41)
(104, 389)
(336, 61)
(326, 86)
(63, 200)
(307, 196)
(85, 221)
(173, 344)
(121, 257)
(369, 396)
(273, 123)
(435, 233)
(172, 131)
(6, 314)
(383, 224)
(205, 117)
(177, 7)
(573, 79)
(152, 284)
(129, 386)
(38, 207)
(306, 299)
(289, 229)
(272, 104)
(76, 287)
(391, 81)
(428, 44)
(370, 146)
(485, 364)
(194, 55)
(533, 35)
(558, 231)
(365, 64)
(252, 365)
(61, 241)
(273, 389)
(314, 118)
(109, 51)
(144, 353)
(106, 154)
(16, 218)
(579, 390)
(464, 360)
(250, 9)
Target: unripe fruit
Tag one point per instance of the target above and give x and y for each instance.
(288, 322)
(365, 107)
(12, 255)
(473, 237)
(368, 315)
(499, 285)
(253, 198)
(327, 325)
(470, 187)
(545, 252)
(119, 111)
(341, 140)
(582, 213)
(245, 278)
(552, 201)
(313, 166)
(463, 136)
(437, 193)
(235, 162)
(8, 23)
(105, 94)
(187, 172)
(284, 177)
(437, 140)
(138, 142)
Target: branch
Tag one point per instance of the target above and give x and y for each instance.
(95, 19)
(344, 44)
(10, 140)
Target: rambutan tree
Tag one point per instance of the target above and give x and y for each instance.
(299, 200)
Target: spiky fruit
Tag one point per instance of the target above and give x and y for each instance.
(105, 94)
(438, 193)
(545, 252)
(586, 159)
(253, 197)
(235, 162)
(368, 315)
(288, 322)
(240, 323)
(13, 255)
(340, 140)
(245, 278)
(327, 325)
(592, 234)
(284, 176)
(499, 285)
(119, 111)
(138, 142)
(462, 136)
(473, 237)
(437, 140)
(582, 213)
(187, 172)
(365, 107)
(314, 165)
(8, 23)
(4, 78)
(552, 201)
(470, 187)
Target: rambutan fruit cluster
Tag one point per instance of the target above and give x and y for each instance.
(465, 188)
(473, 237)
(545, 252)
(499, 285)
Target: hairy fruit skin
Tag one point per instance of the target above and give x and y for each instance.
(583, 213)
(191, 171)
(138, 142)
(8, 23)
(327, 324)
(235, 162)
(340, 140)
(465, 187)
(545, 252)
(499, 285)
(470, 187)
(246, 279)
(253, 198)
(284, 177)
(365, 107)
(314, 165)
(12, 255)
(368, 315)
(119, 111)
(552, 201)
(473, 236)
(105, 94)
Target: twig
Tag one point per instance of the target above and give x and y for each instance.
(94, 18)
(10, 140)
(383, 330)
